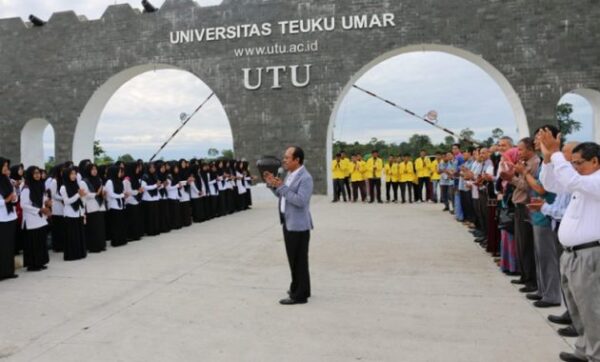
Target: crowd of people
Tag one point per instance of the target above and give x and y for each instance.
(74, 210)
(532, 206)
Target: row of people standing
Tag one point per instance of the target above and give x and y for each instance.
(534, 209)
(414, 179)
(84, 207)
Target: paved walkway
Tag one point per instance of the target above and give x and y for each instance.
(390, 283)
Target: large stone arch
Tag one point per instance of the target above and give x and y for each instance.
(87, 123)
(502, 82)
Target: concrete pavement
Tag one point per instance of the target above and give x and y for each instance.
(390, 283)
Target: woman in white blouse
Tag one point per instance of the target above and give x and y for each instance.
(185, 202)
(150, 200)
(174, 193)
(57, 220)
(72, 195)
(36, 209)
(133, 209)
(95, 217)
(8, 222)
(115, 199)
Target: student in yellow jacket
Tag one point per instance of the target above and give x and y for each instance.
(357, 177)
(375, 168)
(406, 170)
(391, 179)
(423, 167)
(435, 176)
(348, 167)
(339, 174)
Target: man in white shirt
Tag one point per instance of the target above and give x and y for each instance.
(579, 233)
(294, 212)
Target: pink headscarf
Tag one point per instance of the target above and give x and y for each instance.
(511, 155)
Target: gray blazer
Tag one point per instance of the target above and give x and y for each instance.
(297, 202)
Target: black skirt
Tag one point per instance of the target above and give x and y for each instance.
(35, 250)
(95, 231)
(186, 213)
(58, 233)
(75, 246)
(222, 211)
(248, 195)
(151, 217)
(165, 226)
(197, 210)
(215, 206)
(135, 222)
(206, 207)
(174, 215)
(230, 201)
(8, 230)
(118, 227)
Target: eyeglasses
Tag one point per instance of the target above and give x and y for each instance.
(578, 162)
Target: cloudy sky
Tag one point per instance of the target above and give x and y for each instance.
(462, 94)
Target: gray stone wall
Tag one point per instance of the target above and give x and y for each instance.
(543, 47)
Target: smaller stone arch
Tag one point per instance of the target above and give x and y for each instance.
(32, 142)
(593, 98)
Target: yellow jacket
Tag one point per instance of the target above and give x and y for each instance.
(435, 176)
(406, 171)
(374, 167)
(391, 172)
(338, 170)
(357, 171)
(423, 167)
(365, 171)
(347, 165)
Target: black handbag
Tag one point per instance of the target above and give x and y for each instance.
(506, 220)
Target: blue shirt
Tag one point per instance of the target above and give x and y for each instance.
(442, 168)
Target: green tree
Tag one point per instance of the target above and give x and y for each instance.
(104, 160)
(497, 133)
(419, 142)
(449, 141)
(126, 158)
(98, 150)
(566, 124)
(466, 137)
(213, 152)
(51, 162)
(228, 154)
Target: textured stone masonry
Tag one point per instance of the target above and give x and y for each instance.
(544, 48)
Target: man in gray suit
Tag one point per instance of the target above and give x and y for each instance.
(294, 213)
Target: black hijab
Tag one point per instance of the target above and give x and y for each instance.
(36, 188)
(204, 175)
(14, 172)
(93, 182)
(133, 175)
(150, 178)
(6, 187)
(113, 175)
(72, 187)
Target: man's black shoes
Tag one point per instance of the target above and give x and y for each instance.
(542, 304)
(528, 289)
(290, 301)
(568, 332)
(564, 319)
(570, 357)
(533, 296)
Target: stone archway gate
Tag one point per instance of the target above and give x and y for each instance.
(279, 66)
